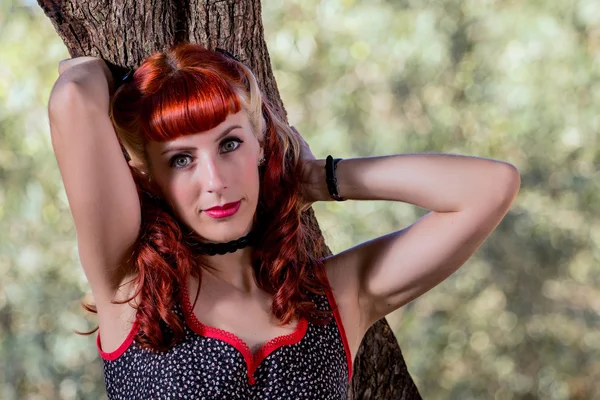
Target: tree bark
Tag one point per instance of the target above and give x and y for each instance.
(124, 32)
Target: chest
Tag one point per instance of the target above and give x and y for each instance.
(251, 321)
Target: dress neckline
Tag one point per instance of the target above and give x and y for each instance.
(253, 360)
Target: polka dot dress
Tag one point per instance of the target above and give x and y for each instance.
(313, 362)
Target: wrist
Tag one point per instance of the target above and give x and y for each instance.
(318, 188)
(316, 185)
(331, 177)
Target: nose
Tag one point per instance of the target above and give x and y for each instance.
(212, 175)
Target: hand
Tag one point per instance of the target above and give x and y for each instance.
(307, 162)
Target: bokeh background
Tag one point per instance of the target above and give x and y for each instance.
(512, 80)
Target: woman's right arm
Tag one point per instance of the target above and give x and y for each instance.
(101, 191)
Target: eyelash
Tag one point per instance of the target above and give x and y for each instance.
(173, 159)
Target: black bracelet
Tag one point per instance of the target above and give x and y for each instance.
(330, 167)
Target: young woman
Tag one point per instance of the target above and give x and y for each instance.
(206, 283)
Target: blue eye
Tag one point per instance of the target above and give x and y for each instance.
(179, 161)
(230, 144)
(182, 160)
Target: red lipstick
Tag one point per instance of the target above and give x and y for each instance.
(226, 210)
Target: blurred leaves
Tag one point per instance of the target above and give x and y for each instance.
(518, 81)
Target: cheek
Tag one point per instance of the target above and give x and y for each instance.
(251, 177)
(181, 196)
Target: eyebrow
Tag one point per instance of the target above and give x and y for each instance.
(221, 136)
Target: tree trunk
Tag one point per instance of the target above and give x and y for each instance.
(124, 32)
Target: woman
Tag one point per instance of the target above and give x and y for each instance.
(210, 205)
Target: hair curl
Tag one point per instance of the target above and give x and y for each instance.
(186, 90)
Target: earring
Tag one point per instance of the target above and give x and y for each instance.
(261, 161)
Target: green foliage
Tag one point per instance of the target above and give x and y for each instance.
(516, 81)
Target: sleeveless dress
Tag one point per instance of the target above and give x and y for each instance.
(313, 362)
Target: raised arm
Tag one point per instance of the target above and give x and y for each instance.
(99, 186)
(467, 196)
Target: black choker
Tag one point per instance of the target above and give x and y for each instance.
(212, 249)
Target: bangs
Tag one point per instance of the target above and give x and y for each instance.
(188, 102)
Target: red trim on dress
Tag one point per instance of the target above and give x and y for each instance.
(113, 355)
(253, 361)
(338, 319)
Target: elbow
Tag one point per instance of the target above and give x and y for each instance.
(511, 179)
(507, 182)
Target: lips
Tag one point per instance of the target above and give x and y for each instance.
(226, 210)
(223, 207)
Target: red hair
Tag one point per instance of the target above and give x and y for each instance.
(190, 89)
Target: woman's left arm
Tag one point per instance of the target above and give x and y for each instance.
(467, 197)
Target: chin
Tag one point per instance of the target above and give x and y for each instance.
(224, 233)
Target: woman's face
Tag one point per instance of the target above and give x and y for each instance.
(209, 169)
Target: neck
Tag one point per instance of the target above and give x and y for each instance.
(230, 262)
(212, 249)
(234, 269)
